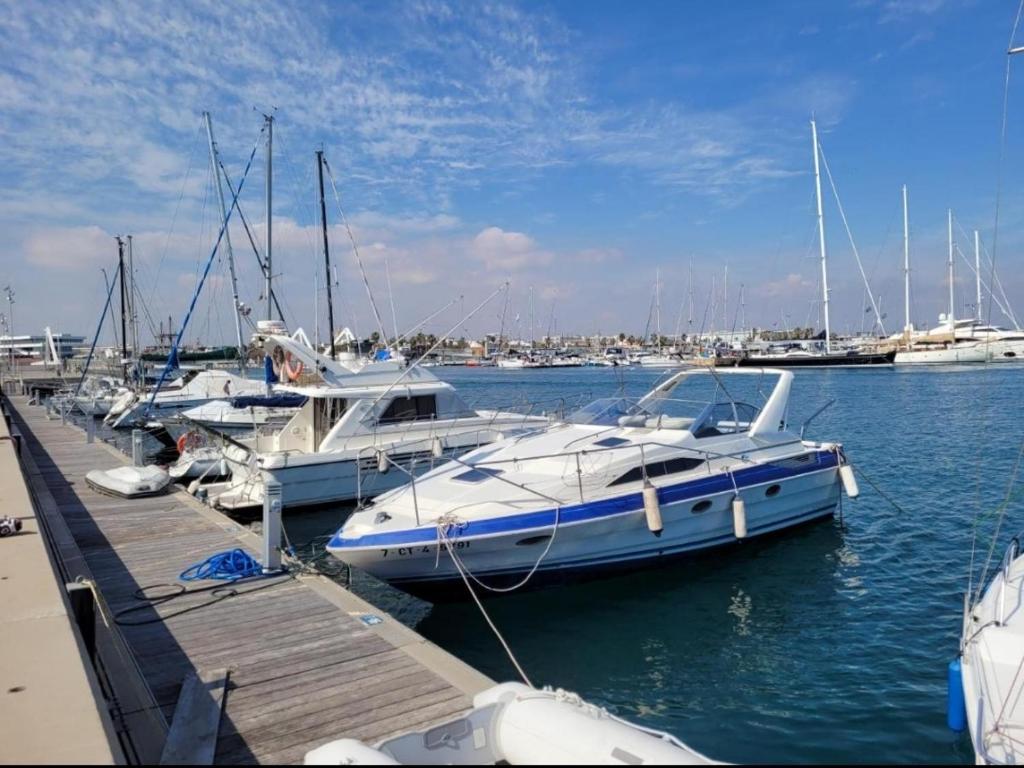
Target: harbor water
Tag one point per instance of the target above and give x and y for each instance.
(828, 643)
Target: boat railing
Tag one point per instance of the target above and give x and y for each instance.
(1009, 556)
(813, 416)
(577, 458)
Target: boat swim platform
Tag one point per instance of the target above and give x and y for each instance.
(296, 661)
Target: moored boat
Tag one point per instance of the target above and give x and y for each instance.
(621, 483)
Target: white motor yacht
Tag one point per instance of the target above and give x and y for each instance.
(621, 483)
(359, 437)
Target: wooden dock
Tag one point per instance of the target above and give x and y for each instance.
(304, 660)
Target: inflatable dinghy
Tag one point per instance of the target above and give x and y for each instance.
(199, 463)
(514, 724)
(129, 482)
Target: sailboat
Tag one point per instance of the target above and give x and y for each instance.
(943, 345)
(825, 354)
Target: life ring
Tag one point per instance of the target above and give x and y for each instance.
(189, 441)
(292, 372)
(283, 367)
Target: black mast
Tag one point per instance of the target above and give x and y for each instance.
(327, 253)
(124, 336)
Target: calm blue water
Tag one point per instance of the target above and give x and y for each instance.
(827, 644)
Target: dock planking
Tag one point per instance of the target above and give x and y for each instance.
(302, 669)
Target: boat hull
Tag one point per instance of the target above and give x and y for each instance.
(610, 534)
(818, 361)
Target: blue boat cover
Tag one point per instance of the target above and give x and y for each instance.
(277, 400)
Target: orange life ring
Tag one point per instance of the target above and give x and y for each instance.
(187, 441)
(292, 372)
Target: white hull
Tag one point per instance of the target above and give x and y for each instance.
(966, 353)
(320, 481)
(604, 541)
(993, 656)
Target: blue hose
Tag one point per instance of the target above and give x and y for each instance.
(231, 565)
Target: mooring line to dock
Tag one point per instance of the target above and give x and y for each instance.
(878, 490)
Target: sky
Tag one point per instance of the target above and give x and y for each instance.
(576, 151)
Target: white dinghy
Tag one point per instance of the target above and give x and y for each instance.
(621, 483)
(129, 482)
(514, 724)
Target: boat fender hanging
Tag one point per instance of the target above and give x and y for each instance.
(849, 481)
(956, 706)
(382, 462)
(437, 447)
(739, 517)
(652, 509)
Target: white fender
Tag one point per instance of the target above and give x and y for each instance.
(382, 462)
(652, 509)
(849, 481)
(739, 517)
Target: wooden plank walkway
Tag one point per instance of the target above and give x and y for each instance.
(304, 669)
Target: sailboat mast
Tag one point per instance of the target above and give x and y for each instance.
(657, 304)
(952, 311)
(977, 274)
(124, 338)
(725, 301)
(689, 314)
(821, 240)
(268, 288)
(327, 251)
(133, 316)
(215, 166)
(907, 328)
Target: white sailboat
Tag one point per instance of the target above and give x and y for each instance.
(942, 346)
(992, 666)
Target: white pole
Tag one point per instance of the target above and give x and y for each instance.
(227, 239)
(907, 328)
(821, 237)
(977, 274)
(952, 312)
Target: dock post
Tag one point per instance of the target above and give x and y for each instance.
(63, 413)
(90, 429)
(271, 526)
(137, 457)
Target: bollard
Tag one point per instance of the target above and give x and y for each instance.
(90, 430)
(137, 457)
(271, 526)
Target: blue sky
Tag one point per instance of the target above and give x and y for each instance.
(572, 147)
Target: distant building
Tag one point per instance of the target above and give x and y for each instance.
(32, 347)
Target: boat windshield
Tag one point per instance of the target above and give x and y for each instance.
(702, 406)
(606, 412)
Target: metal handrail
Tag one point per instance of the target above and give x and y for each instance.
(1012, 550)
(815, 415)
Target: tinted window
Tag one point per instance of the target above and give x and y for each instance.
(610, 442)
(410, 409)
(658, 468)
(477, 474)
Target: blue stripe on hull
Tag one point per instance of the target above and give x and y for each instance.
(692, 489)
